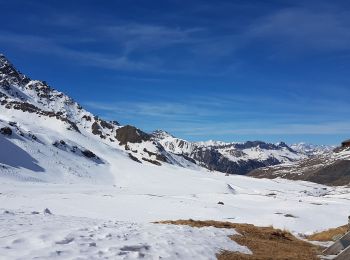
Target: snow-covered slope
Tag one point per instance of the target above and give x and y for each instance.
(234, 158)
(57, 133)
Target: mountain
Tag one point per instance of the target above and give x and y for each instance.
(312, 149)
(42, 118)
(53, 133)
(42, 130)
(330, 168)
(232, 158)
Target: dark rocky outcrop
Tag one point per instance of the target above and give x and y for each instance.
(6, 131)
(87, 118)
(159, 157)
(337, 173)
(96, 129)
(105, 124)
(131, 134)
(134, 158)
(89, 154)
(6, 68)
(59, 143)
(152, 161)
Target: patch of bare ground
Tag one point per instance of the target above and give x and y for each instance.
(266, 243)
(329, 235)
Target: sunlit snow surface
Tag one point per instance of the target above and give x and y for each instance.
(44, 236)
(169, 195)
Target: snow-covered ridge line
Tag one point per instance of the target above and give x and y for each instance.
(233, 157)
(24, 101)
(312, 149)
(20, 96)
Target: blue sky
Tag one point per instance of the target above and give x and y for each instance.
(223, 70)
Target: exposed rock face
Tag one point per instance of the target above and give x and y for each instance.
(152, 161)
(134, 158)
(88, 154)
(331, 169)
(130, 134)
(214, 160)
(12, 75)
(96, 129)
(6, 131)
(337, 173)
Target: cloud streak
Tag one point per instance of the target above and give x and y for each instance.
(236, 115)
(303, 29)
(160, 48)
(46, 45)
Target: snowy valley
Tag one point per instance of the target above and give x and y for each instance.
(105, 184)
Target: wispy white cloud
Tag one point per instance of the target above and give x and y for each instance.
(304, 29)
(220, 115)
(222, 129)
(134, 36)
(57, 47)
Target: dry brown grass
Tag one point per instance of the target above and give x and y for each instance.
(266, 243)
(329, 234)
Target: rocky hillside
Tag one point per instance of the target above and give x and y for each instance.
(32, 108)
(331, 168)
(231, 158)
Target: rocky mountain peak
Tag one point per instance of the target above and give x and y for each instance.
(9, 75)
(161, 134)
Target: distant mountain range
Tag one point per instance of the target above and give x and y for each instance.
(44, 130)
(312, 149)
(231, 158)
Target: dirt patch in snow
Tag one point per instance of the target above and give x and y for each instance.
(328, 235)
(265, 242)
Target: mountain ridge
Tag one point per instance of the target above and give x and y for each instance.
(57, 116)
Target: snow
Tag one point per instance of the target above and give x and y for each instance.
(154, 195)
(105, 208)
(43, 236)
(279, 153)
(121, 189)
(312, 149)
(256, 153)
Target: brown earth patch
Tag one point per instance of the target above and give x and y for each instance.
(266, 243)
(328, 235)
